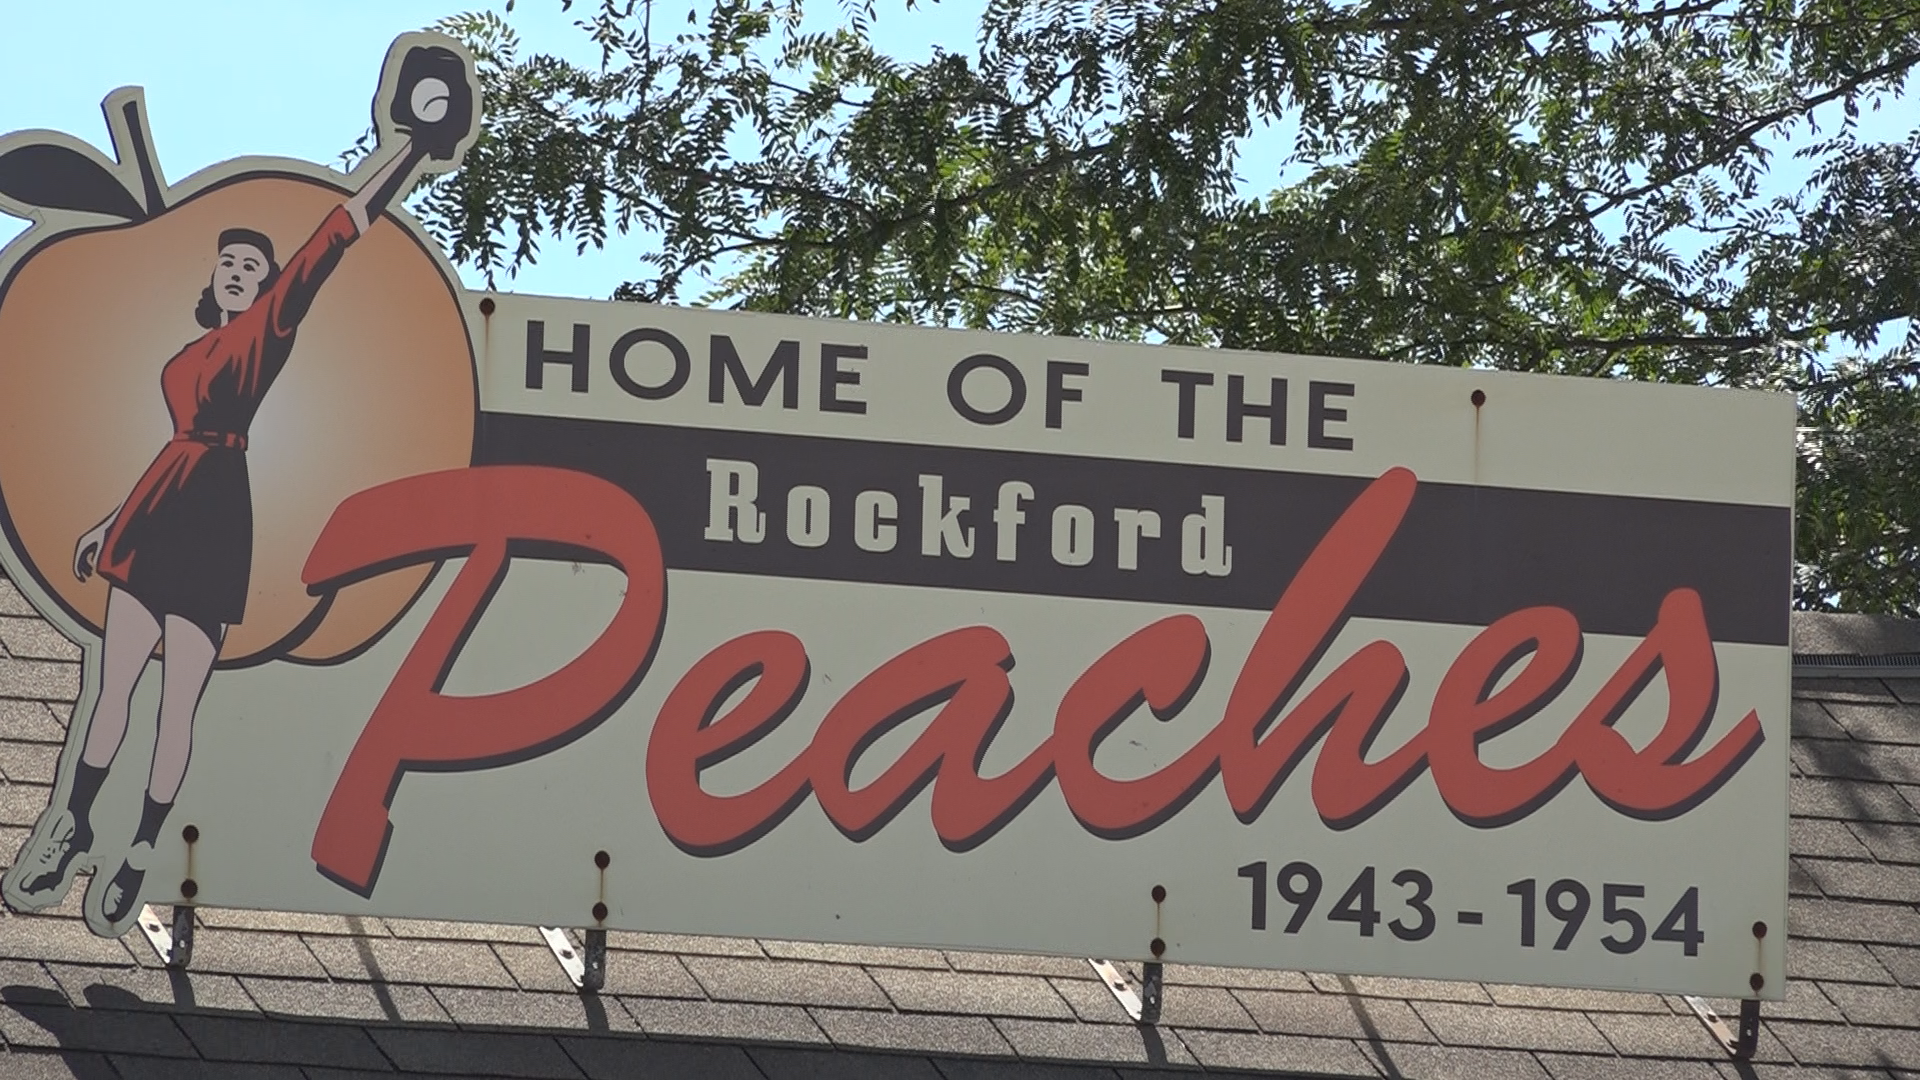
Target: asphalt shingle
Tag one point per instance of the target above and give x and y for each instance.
(39, 680)
(792, 1063)
(1876, 1006)
(21, 804)
(1878, 723)
(1903, 962)
(971, 1069)
(220, 1038)
(1551, 997)
(1825, 839)
(1842, 920)
(1869, 762)
(643, 974)
(725, 1020)
(1442, 1063)
(985, 995)
(30, 722)
(1888, 843)
(1805, 1001)
(1864, 881)
(875, 1029)
(1582, 1067)
(870, 955)
(34, 639)
(366, 1002)
(112, 1031)
(144, 1068)
(1337, 1016)
(448, 963)
(246, 953)
(474, 1007)
(28, 762)
(1848, 800)
(134, 986)
(786, 981)
(1093, 1003)
(11, 602)
(289, 922)
(685, 944)
(1007, 964)
(1239, 1050)
(469, 1053)
(24, 1064)
(1112, 1043)
(1812, 720)
(1852, 1047)
(1871, 691)
(1402, 989)
(37, 937)
(1511, 1029)
(629, 1059)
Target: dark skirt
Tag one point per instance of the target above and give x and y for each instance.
(188, 550)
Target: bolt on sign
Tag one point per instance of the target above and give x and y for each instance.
(399, 599)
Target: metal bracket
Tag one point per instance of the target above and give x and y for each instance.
(594, 978)
(1118, 986)
(1740, 1044)
(585, 968)
(569, 957)
(174, 949)
(1749, 1040)
(1152, 987)
(1143, 1007)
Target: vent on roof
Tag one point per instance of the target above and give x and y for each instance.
(1842, 666)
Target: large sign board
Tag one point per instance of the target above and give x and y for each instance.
(400, 599)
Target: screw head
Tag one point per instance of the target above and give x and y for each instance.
(191, 834)
(1759, 929)
(1479, 398)
(189, 888)
(1157, 947)
(601, 859)
(599, 911)
(1159, 894)
(486, 305)
(1757, 982)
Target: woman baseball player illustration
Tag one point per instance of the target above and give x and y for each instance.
(177, 553)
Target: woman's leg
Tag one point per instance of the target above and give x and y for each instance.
(183, 677)
(131, 633)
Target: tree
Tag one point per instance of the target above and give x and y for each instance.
(1570, 186)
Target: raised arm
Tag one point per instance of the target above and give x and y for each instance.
(378, 192)
(287, 301)
(431, 104)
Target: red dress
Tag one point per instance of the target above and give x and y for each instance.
(183, 542)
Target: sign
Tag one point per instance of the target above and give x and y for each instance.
(398, 599)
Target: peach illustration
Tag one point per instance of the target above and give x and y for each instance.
(380, 385)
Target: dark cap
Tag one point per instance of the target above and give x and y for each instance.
(248, 236)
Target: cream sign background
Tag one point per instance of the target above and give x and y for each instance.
(869, 633)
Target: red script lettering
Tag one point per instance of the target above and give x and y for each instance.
(482, 513)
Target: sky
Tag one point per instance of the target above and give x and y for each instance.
(295, 78)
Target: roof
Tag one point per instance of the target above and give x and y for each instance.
(303, 997)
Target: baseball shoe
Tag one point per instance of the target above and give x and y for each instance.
(123, 892)
(46, 866)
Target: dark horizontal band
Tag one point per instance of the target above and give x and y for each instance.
(1464, 555)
